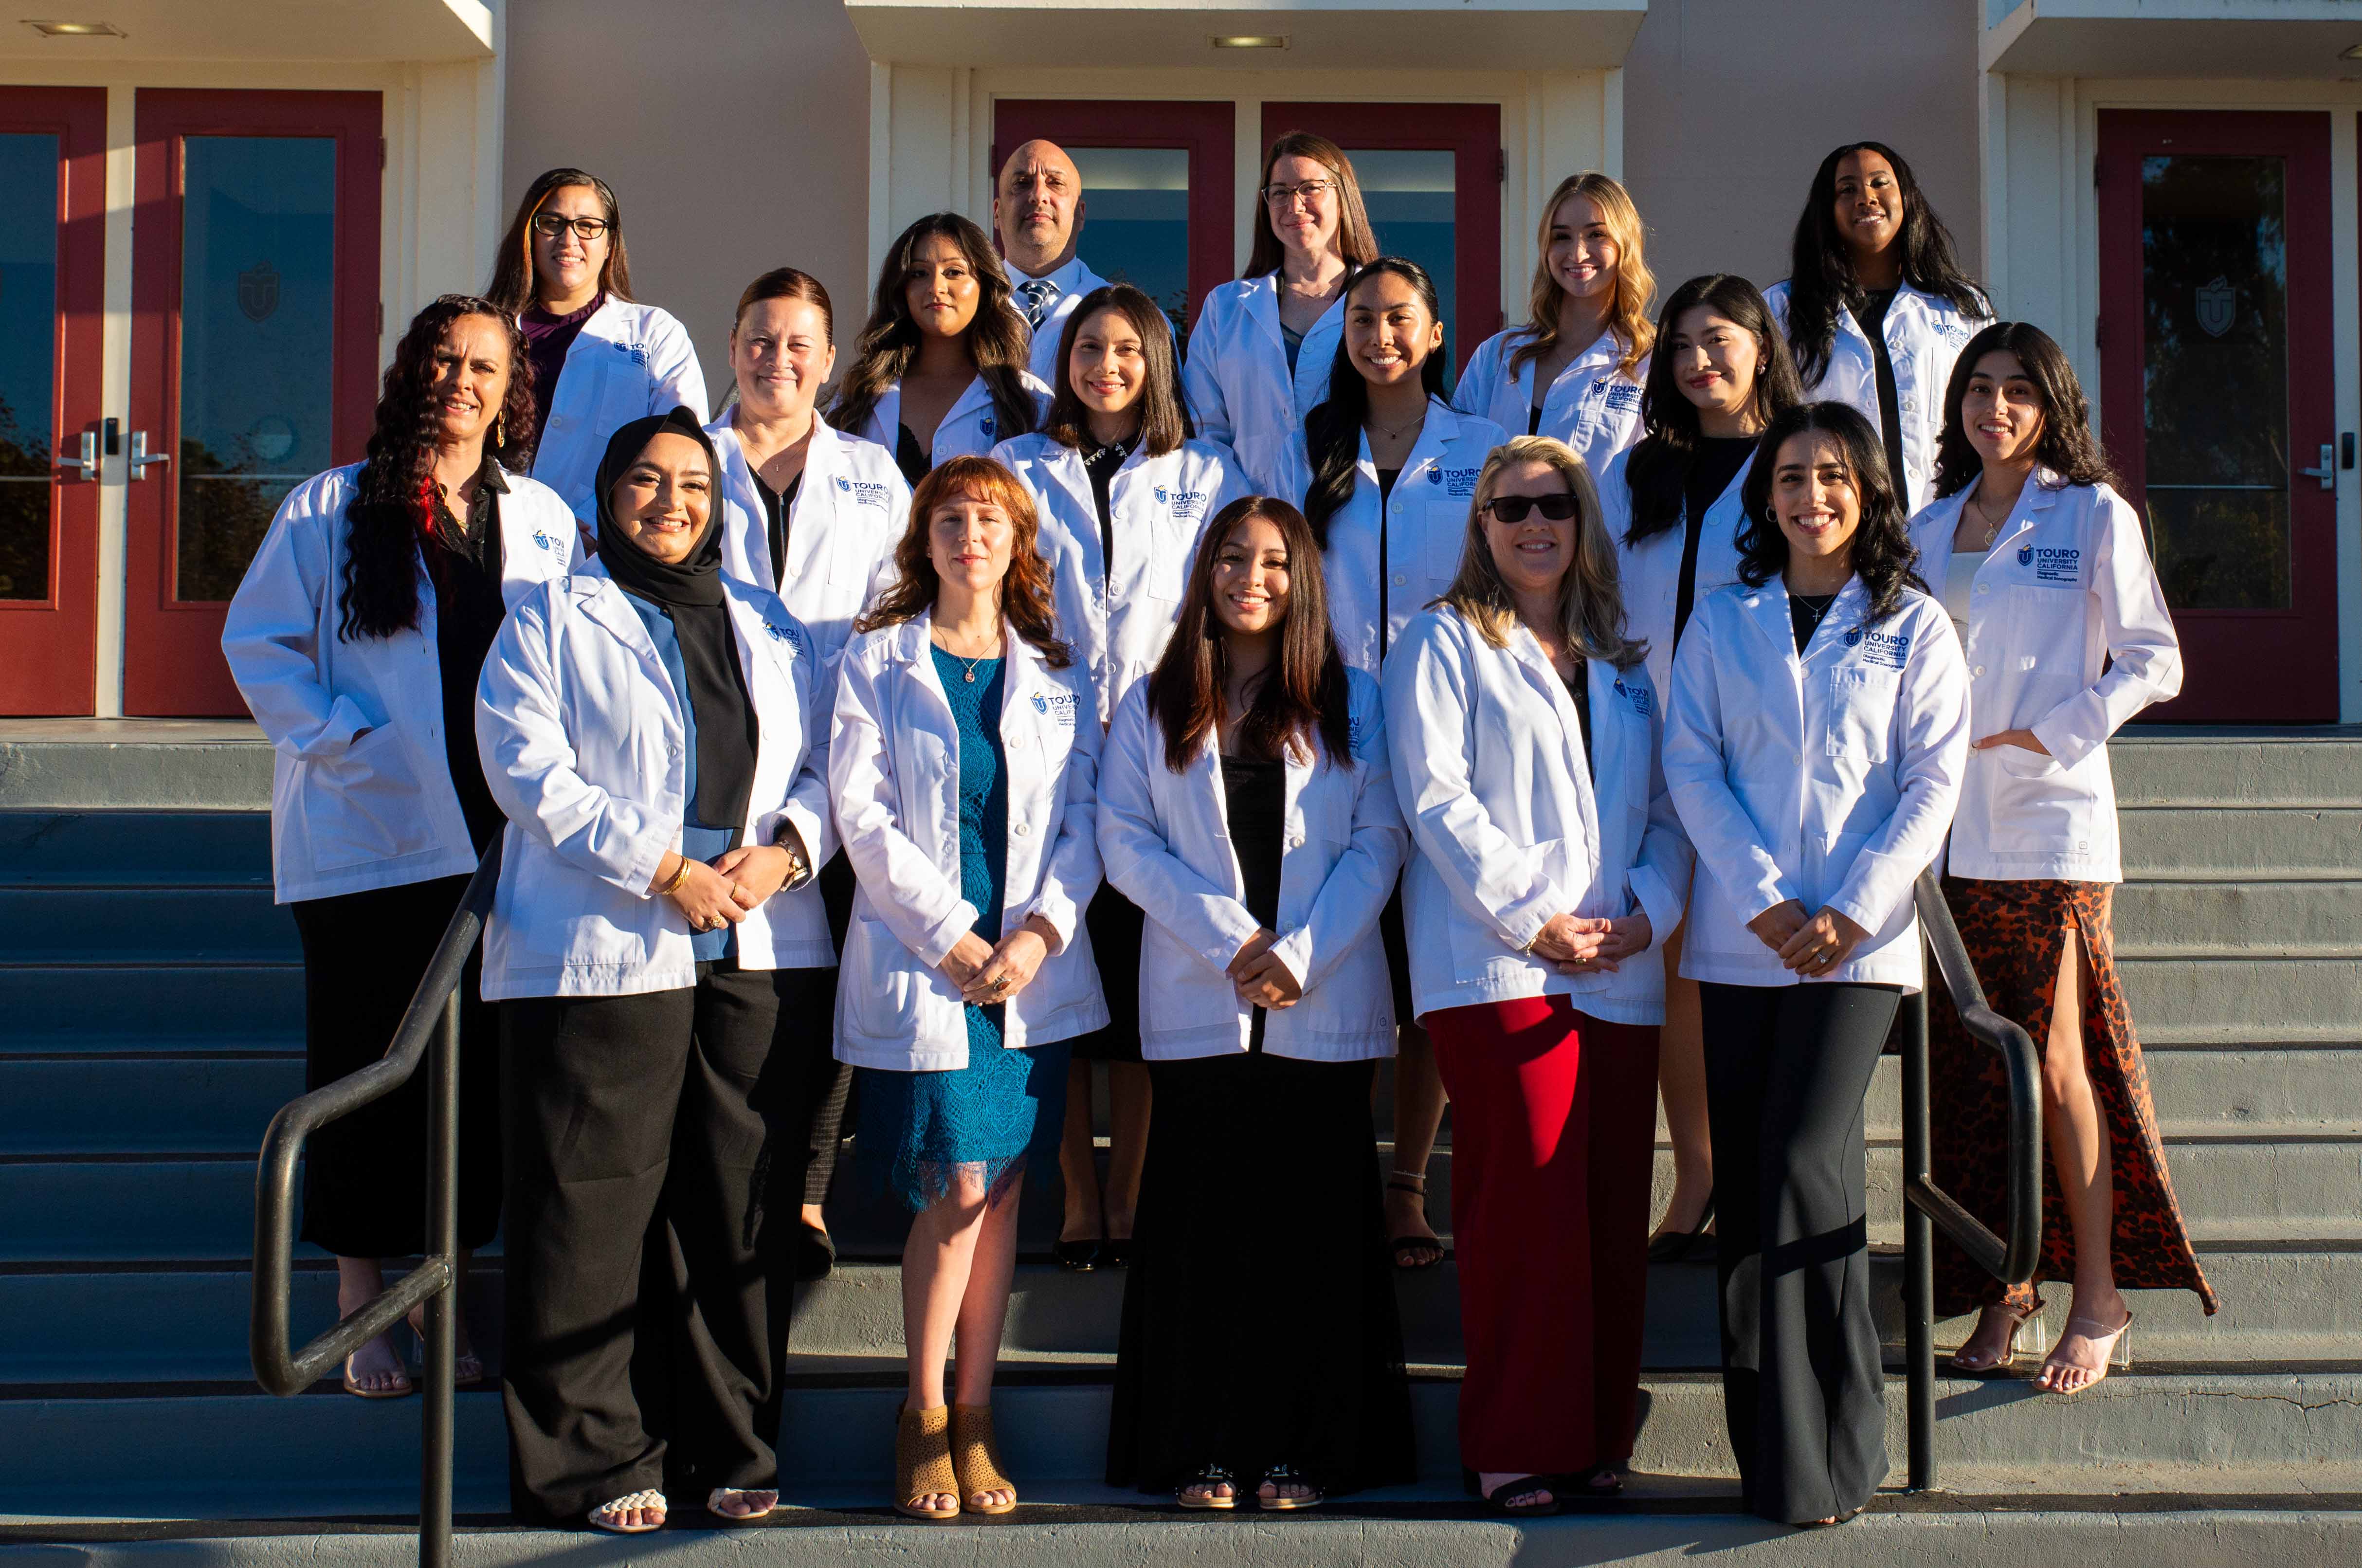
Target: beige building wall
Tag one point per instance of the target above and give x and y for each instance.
(1730, 105)
(735, 132)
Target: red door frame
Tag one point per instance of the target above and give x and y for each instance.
(173, 662)
(49, 645)
(1207, 130)
(1472, 134)
(2223, 649)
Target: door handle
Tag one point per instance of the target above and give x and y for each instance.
(88, 460)
(141, 456)
(2327, 473)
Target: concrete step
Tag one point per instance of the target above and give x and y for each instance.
(199, 1104)
(2198, 1091)
(2243, 1001)
(2172, 765)
(146, 848)
(73, 765)
(2241, 841)
(158, 924)
(2255, 918)
(100, 1009)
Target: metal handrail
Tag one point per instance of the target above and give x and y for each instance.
(1927, 1206)
(430, 1030)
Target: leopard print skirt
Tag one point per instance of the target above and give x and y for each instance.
(2015, 934)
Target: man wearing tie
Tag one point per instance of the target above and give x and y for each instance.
(1038, 208)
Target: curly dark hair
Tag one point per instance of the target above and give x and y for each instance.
(1882, 553)
(2066, 447)
(996, 340)
(1820, 265)
(394, 503)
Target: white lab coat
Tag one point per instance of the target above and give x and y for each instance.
(970, 429)
(582, 738)
(1513, 823)
(1594, 405)
(2069, 636)
(849, 514)
(628, 361)
(1075, 280)
(1167, 840)
(894, 776)
(1160, 507)
(360, 785)
(1239, 388)
(1651, 569)
(1426, 526)
(1924, 336)
(1828, 778)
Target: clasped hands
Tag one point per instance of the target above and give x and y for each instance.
(1813, 946)
(987, 973)
(1585, 945)
(712, 896)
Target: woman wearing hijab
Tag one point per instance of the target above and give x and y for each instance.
(655, 732)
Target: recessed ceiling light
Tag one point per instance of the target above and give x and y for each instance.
(1250, 40)
(76, 30)
(2354, 54)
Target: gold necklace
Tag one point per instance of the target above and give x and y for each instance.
(1394, 433)
(943, 643)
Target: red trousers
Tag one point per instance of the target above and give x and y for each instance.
(1553, 1132)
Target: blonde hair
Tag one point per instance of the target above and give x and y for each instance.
(1590, 597)
(1628, 312)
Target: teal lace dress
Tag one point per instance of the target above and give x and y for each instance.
(922, 1133)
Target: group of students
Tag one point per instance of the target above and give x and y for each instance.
(890, 754)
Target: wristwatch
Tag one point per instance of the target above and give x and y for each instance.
(799, 867)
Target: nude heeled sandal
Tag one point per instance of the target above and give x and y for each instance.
(922, 1463)
(976, 1457)
(2113, 1355)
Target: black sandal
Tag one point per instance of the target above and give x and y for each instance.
(1601, 1481)
(816, 1254)
(1280, 1475)
(1497, 1499)
(1406, 1249)
(1079, 1257)
(1208, 1476)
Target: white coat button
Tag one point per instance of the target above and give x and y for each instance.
(1985, 588)
(1023, 829)
(1296, 841)
(1400, 579)
(1978, 670)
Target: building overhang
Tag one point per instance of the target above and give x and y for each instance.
(2301, 40)
(253, 30)
(1518, 34)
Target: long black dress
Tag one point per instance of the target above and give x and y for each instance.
(1259, 1319)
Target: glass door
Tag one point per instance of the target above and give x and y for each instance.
(1430, 175)
(1157, 177)
(254, 353)
(2217, 409)
(52, 272)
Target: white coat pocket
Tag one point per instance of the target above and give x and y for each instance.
(1447, 530)
(1862, 712)
(363, 804)
(884, 1004)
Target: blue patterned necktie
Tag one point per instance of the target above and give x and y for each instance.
(1038, 294)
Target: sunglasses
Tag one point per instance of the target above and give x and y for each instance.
(1513, 508)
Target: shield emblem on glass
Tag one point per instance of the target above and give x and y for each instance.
(257, 291)
(2218, 306)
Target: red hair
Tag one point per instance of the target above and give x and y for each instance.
(1027, 602)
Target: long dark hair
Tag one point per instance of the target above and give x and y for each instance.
(1333, 432)
(1881, 554)
(2066, 447)
(1026, 602)
(1660, 459)
(512, 287)
(1301, 693)
(1163, 424)
(394, 501)
(1820, 268)
(996, 340)
(1356, 241)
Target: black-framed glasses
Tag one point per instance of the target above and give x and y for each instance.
(1513, 508)
(1307, 191)
(549, 225)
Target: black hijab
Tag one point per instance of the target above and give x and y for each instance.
(689, 595)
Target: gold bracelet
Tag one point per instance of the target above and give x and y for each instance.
(679, 875)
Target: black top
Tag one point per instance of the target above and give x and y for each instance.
(1386, 478)
(1101, 463)
(1578, 686)
(909, 456)
(1714, 463)
(778, 505)
(464, 560)
(1890, 410)
(1533, 419)
(1805, 613)
(1256, 796)
(1292, 342)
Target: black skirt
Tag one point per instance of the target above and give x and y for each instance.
(1258, 1317)
(365, 1174)
(1115, 923)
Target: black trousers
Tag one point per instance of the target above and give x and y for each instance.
(641, 1336)
(1786, 1068)
(365, 1174)
(827, 1082)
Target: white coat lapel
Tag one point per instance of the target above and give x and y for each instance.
(1846, 615)
(824, 455)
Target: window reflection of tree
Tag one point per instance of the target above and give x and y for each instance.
(222, 517)
(2216, 407)
(25, 470)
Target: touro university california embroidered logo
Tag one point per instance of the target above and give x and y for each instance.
(1641, 696)
(1058, 705)
(2053, 563)
(1888, 648)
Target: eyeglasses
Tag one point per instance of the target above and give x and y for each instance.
(549, 225)
(1308, 192)
(1513, 508)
